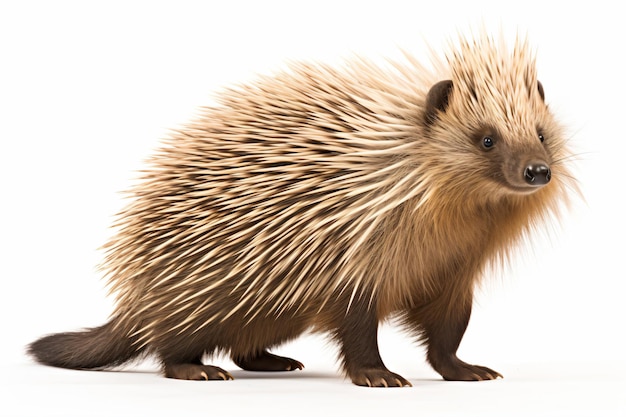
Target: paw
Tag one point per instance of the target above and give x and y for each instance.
(193, 372)
(292, 364)
(378, 378)
(268, 362)
(457, 370)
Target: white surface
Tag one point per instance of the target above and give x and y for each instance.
(86, 91)
(529, 390)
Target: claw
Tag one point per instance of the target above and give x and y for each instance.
(225, 376)
(401, 384)
(204, 375)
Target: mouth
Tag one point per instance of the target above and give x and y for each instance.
(524, 189)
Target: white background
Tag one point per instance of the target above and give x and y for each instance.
(87, 89)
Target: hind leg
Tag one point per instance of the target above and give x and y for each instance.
(265, 361)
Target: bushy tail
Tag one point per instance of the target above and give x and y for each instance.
(100, 347)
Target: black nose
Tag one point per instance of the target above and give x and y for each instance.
(537, 174)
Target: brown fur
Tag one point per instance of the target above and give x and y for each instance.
(330, 200)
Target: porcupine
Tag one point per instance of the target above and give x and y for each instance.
(328, 199)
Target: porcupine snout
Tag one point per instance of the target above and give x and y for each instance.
(537, 174)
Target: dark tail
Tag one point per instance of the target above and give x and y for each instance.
(100, 347)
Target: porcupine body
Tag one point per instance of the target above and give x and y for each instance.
(328, 200)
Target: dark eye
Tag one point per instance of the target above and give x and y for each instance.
(541, 138)
(487, 142)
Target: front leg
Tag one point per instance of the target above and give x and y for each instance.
(442, 324)
(358, 335)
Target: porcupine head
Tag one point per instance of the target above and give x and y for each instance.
(331, 200)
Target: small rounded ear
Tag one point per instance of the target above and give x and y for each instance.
(541, 93)
(437, 100)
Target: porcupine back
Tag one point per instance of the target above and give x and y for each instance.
(266, 204)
